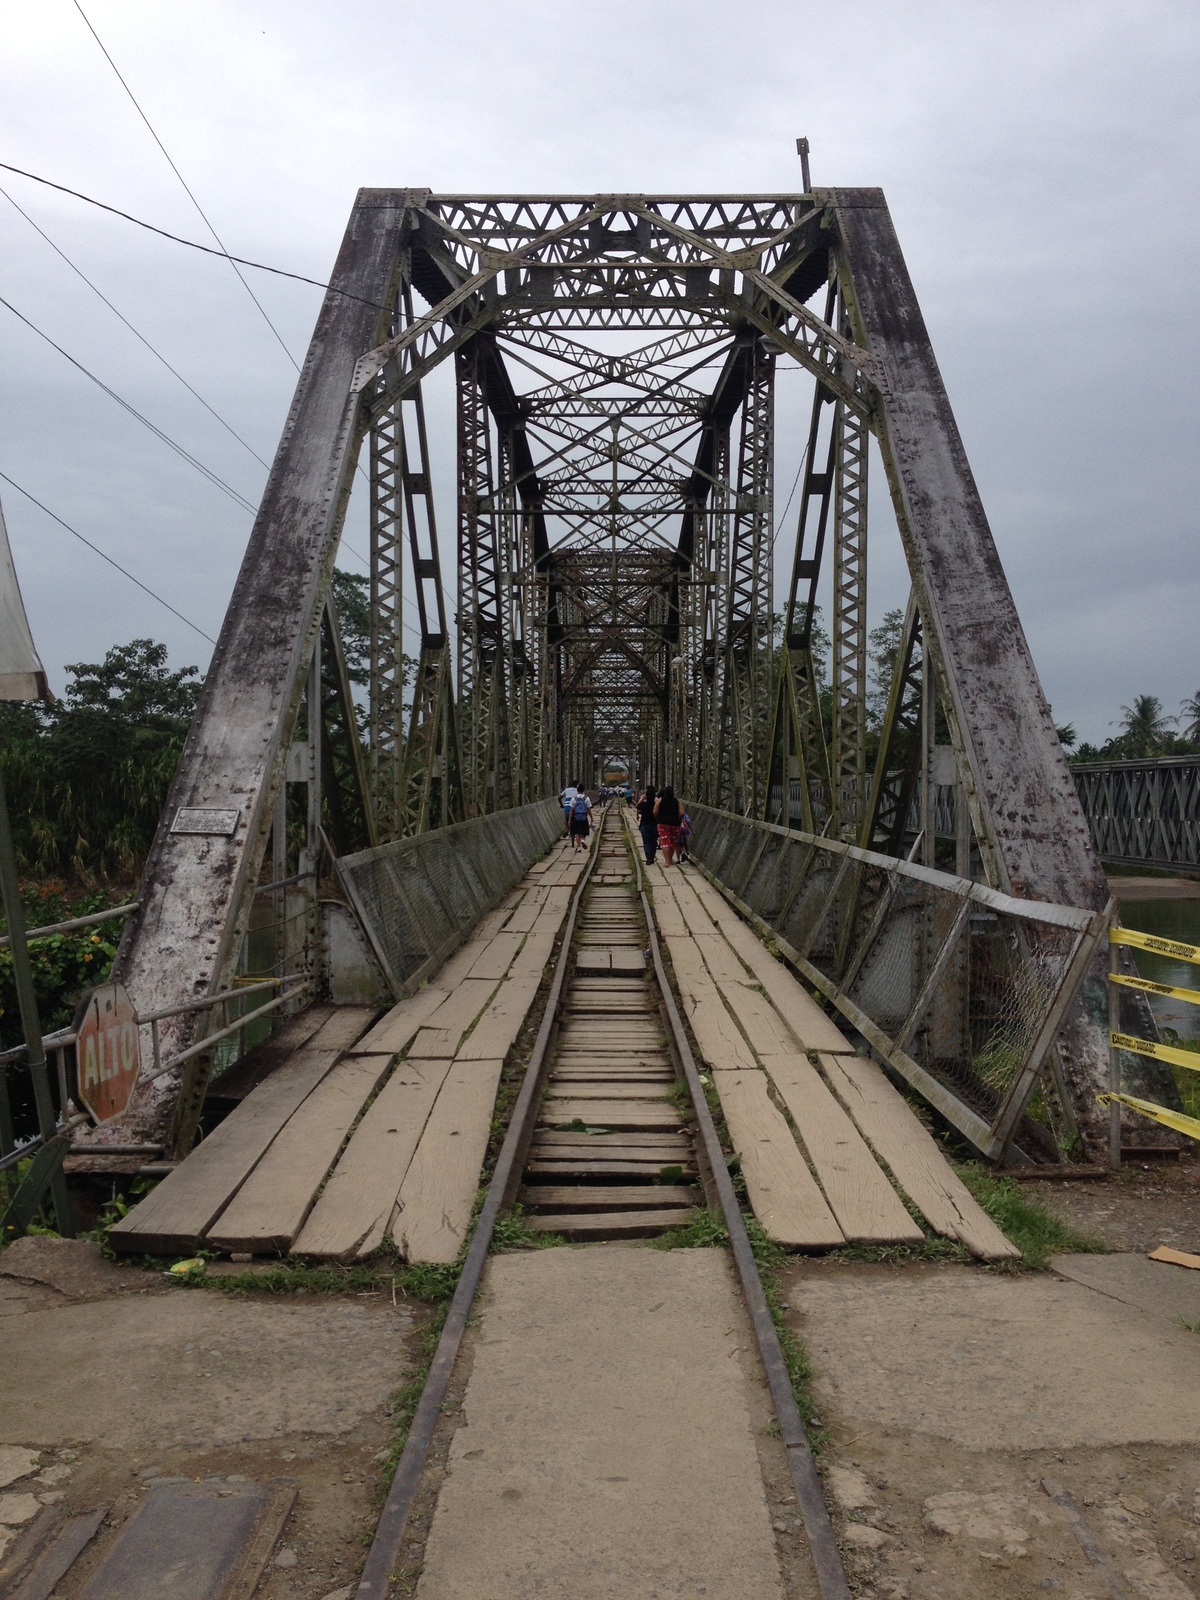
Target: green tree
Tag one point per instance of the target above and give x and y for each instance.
(88, 775)
(883, 646)
(1145, 728)
(1190, 710)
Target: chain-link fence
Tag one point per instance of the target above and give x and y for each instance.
(960, 988)
(416, 898)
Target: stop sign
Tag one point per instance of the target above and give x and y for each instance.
(107, 1054)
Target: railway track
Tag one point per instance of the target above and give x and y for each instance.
(611, 1048)
(611, 1157)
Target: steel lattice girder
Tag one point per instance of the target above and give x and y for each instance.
(637, 324)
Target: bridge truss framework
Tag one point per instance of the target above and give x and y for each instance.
(614, 361)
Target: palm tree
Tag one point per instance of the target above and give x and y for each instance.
(1191, 711)
(1144, 726)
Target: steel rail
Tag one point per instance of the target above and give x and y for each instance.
(806, 1480)
(397, 1508)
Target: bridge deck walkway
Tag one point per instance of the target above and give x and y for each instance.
(376, 1129)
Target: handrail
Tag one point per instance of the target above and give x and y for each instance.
(75, 922)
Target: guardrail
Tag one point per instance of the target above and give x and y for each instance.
(958, 987)
(418, 898)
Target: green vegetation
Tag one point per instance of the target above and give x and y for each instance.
(64, 964)
(1037, 1233)
(87, 775)
(1145, 731)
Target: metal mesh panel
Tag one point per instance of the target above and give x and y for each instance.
(417, 898)
(951, 982)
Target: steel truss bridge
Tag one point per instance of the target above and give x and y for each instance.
(614, 361)
(1144, 813)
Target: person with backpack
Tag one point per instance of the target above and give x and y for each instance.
(668, 813)
(647, 826)
(566, 800)
(581, 817)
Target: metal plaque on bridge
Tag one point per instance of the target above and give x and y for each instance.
(107, 1051)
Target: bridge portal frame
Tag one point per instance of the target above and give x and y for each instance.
(696, 271)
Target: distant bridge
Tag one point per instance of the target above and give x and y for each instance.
(1144, 812)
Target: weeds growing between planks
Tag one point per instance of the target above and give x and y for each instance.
(1037, 1233)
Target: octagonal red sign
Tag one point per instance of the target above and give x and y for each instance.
(107, 1053)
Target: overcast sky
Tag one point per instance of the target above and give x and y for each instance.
(1040, 161)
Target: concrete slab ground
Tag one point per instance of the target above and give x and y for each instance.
(111, 1376)
(1157, 1288)
(607, 1445)
(951, 1392)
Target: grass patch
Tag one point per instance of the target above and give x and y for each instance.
(513, 1232)
(1037, 1233)
(892, 1255)
(430, 1284)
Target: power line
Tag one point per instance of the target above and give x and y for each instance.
(125, 573)
(156, 353)
(192, 244)
(134, 412)
(186, 190)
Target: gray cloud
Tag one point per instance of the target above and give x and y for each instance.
(1039, 160)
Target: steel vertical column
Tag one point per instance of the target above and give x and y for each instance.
(386, 678)
(480, 642)
(850, 625)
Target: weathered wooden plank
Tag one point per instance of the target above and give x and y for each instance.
(897, 1137)
(397, 1030)
(859, 1194)
(443, 1029)
(195, 890)
(600, 1089)
(605, 1168)
(494, 1035)
(602, 1197)
(439, 1188)
(720, 1042)
(248, 1071)
(609, 1224)
(499, 955)
(527, 913)
(631, 1114)
(603, 1141)
(351, 1217)
(782, 1190)
(810, 1025)
(269, 1209)
(179, 1212)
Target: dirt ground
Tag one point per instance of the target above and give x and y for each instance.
(1148, 1203)
(113, 1376)
(950, 1393)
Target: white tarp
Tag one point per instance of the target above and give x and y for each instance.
(21, 675)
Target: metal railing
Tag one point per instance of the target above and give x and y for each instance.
(960, 988)
(418, 898)
(1143, 811)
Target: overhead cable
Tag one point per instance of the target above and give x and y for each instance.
(192, 244)
(186, 190)
(156, 353)
(185, 455)
(104, 556)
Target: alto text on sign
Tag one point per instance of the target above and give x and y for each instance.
(107, 1053)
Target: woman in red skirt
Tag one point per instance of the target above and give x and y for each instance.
(668, 813)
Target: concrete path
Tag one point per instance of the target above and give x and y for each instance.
(608, 1445)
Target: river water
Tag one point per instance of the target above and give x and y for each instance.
(1169, 919)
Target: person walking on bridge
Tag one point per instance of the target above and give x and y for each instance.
(668, 813)
(647, 826)
(581, 817)
(565, 800)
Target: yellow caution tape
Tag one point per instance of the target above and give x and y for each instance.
(1151, 941)
(1161, 1052)
(1192, 996)
(1169, 1119)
